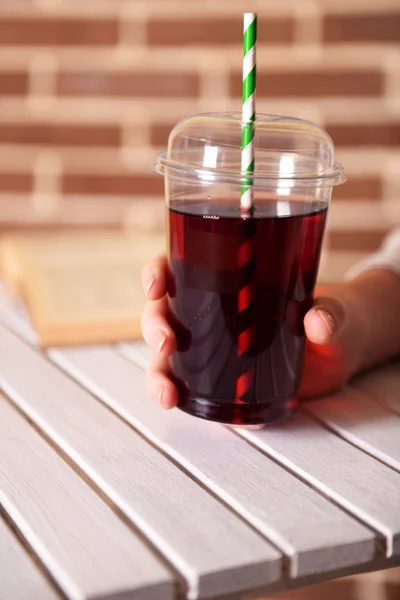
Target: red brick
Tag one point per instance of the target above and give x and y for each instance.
(45, 134)
(159, 134)
(313, 84)
(45, 226)
(362, 28)
(365, 134)
(359, 188)
(103, 83)
(54, 32)
(358, 240)
(16, 182)
(199, 32)
(112, 185)
(13, 83)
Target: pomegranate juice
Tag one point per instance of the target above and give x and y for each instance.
(204, 258)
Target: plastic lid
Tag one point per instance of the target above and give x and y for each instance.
(206, 149)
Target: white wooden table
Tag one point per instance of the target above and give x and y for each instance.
(105, 496)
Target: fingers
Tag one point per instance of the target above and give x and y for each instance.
(154, 278)
(156, 328)
(157, 279)
(159, 383)
(157, 282)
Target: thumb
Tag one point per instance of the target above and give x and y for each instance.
(326, 320)
(336, 318)
(335, 337)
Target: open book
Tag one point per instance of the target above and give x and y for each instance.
(79, 287)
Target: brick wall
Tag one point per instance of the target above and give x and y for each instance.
(89, 90)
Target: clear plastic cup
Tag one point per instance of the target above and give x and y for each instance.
(243, 282)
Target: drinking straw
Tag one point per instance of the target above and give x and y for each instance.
(245, 382)
(248, 106)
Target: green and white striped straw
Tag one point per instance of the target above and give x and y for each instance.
(248, 107)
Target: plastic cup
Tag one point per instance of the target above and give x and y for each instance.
(244, 283)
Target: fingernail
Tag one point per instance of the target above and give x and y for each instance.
(161, 394)
(160, 337)
(150, 284)
(328, 320)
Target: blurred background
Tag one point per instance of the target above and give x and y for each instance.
(89, 90)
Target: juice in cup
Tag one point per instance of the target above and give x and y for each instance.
(244, 282)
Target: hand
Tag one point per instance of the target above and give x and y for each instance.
(346, 331)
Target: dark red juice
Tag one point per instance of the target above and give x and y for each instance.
(204, 258)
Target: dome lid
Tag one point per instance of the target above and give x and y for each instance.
(206, 148)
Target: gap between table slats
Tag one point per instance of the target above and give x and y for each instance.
(319, 538)
(382, 387)
(323, 539)
(139, 353)
(16, 318)
(20, 578)
(315, 454)
(212, 548)
(88, 551)
(353, 479)
(362, 422)
(365, 420)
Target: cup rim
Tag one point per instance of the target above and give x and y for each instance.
(214, 176)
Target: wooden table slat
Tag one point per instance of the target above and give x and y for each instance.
(138, 352)
(267, 496)
(345, 479)
(363, 422)
(49, 503)
(20, 578)
(16, 318)
(354, 480)
(213, 549)
(382, 386)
